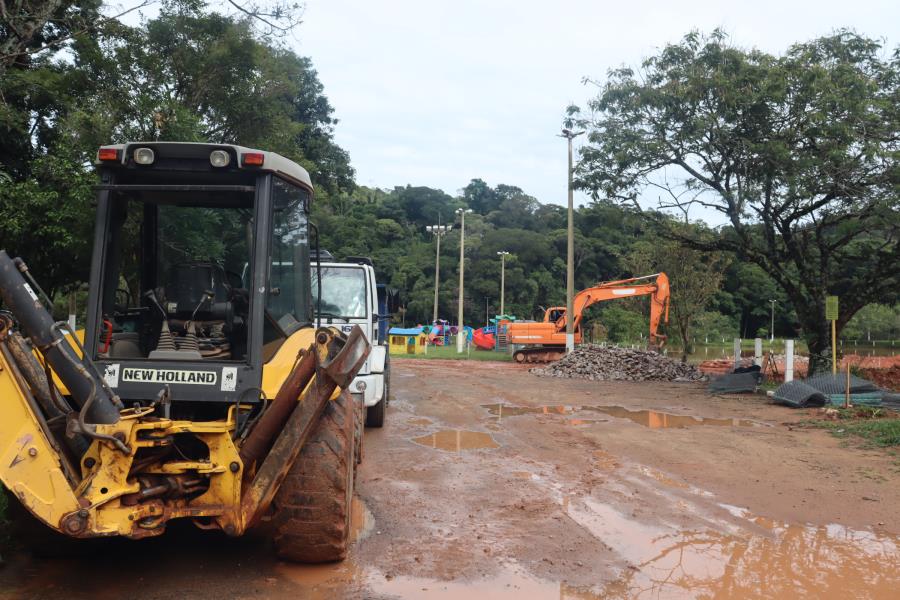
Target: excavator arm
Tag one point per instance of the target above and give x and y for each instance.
(658, 291)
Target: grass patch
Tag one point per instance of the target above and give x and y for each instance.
(449, 352)
(876, 426)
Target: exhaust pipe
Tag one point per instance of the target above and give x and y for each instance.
(87, 389)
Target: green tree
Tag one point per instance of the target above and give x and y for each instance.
(190, 74)
(798, 153)
(694, 276)
(874, 322)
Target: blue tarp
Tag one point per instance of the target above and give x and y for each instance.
(420, 330)
(407, 331)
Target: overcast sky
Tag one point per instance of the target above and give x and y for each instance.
(438, 93)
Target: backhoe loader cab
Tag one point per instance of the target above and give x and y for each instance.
(177, 227)
(202, 390)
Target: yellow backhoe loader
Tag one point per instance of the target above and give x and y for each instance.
(200, 387)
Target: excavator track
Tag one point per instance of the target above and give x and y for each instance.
(538, 355)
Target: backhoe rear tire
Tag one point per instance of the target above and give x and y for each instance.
(312, 507)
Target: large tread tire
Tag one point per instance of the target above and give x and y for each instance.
(359, 406)
(313, 505)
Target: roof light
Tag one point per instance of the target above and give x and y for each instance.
(219, 158)
(144, 156)
(253, 159)
(108, 154)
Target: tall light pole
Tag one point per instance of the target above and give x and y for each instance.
(772, 327)
(570, 252)
(461, 334)
(503, 254)
(438, 231)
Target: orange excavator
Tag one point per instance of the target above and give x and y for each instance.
(546, 341)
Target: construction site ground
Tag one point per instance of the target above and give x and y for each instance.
(489, 482)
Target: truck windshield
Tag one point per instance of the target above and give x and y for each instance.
(343, 292)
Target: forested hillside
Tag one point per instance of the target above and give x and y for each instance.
(390, 226)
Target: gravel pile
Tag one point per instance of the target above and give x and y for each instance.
(605, 363)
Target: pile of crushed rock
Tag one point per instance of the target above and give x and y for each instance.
(607, 363)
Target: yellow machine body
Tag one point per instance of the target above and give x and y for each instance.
(32, 468)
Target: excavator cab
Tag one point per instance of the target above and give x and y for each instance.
(199, 388)
(178, 253)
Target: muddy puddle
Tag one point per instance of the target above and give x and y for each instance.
(648, 418)
(755, 558)
(661, 420)
(511, 583)
(324, 581)
(457, 440)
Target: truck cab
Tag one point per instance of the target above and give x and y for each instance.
(350, 297)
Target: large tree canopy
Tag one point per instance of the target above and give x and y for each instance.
(189, 74)
(799, 154)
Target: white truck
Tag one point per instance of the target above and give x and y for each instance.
(350, 297)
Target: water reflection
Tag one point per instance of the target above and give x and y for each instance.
(653, 419)
(760, 559)
(456, 440)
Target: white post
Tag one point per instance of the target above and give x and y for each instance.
(737, 352)
(757, 352)
(72, 310)
(788, 360)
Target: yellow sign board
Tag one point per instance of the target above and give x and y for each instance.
(831, 308)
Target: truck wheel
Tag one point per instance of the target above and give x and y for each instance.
(387, 378)
(375, 414)
(312, 506)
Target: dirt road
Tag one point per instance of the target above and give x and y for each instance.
(488, 482)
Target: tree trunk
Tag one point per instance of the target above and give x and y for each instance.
(684, 327)
(818, 339)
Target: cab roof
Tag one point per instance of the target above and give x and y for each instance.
(188, 151)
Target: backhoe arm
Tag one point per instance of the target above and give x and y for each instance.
(614, 290)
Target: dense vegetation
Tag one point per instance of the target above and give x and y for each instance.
(71, 80)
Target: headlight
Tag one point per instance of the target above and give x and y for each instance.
(219, 158)
(360, 386)
(144, 156)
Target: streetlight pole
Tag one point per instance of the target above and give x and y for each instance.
(772, 326)
(461, 333)
(503, 254)
(438, 231)
(570, 251)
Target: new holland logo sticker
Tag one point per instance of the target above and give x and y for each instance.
(169, 376)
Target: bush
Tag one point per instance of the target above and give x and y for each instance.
(624, 325)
